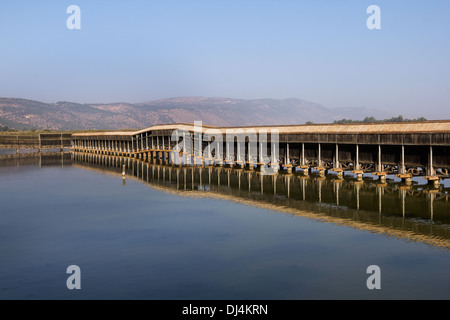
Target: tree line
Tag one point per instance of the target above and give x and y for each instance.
(373, 120)
(5, 128)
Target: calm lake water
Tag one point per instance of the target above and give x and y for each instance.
(181, 233)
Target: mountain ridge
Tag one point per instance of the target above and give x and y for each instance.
(217, 111)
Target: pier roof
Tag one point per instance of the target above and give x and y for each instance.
(431, 126)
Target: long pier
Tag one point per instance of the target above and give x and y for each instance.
(38, 141)
(405, 149)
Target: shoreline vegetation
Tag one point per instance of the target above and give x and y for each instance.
(373, 120)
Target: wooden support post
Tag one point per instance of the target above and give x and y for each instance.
(227, 156)
(431, 171)
(380, 165)
(319, 158)
(357, 167)
(261, 160)
(238, 150)
(274, 162)
(336, 161)
(288, 161)
(303, 154)
(402, 168)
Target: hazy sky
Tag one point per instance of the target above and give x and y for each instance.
(321, 51)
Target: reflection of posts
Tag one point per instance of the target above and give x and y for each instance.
(303, 189)
(262, 183)
(123, 174)
(239, 179)
(432, 195)
(357, 186)
(288, 178)
(218, 177)
(337, 184)
(403, 195)
(320, 190)
(209, 176)
(380, 190)
(274, 180)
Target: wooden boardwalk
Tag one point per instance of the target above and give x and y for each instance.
(405, 149)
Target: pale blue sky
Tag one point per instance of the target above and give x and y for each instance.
(320, 51)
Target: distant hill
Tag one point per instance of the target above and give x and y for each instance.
(28, 114)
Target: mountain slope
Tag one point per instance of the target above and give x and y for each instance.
(63, 115)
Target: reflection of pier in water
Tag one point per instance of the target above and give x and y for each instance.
(40, 159)
(415, 213)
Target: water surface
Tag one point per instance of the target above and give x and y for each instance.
(180, 233)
